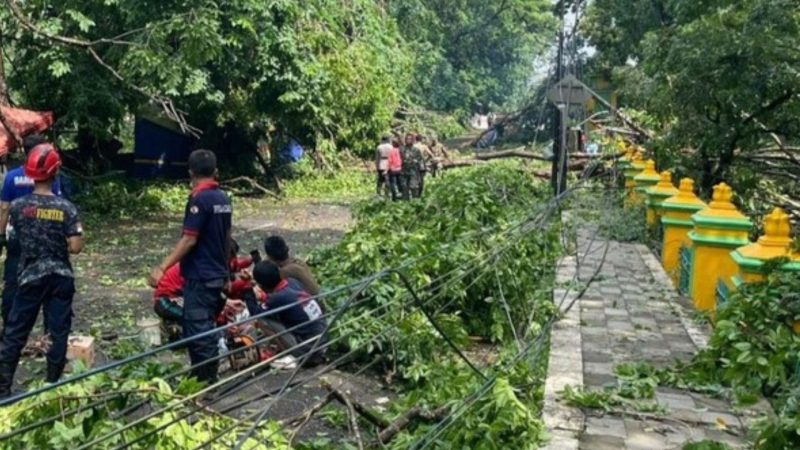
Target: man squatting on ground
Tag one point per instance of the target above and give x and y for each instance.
(168, 294)
(48, 230)
(16, 185)
(297, 318)
(168, 301)
(291, 268)
(202, 253)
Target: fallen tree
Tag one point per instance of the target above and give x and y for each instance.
(573, 166)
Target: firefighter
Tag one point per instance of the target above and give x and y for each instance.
(15, 185)
(203, 255)
(48, 231)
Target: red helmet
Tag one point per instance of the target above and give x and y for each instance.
(43, 162)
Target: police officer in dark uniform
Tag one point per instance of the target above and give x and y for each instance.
(203, 254)
(48, 230)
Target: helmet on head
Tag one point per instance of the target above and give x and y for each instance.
(43, 163)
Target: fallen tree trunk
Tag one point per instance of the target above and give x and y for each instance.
(514, 153)
(575, 166)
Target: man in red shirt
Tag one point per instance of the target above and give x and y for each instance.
(168, 301)
(395, 160)
(168, 295)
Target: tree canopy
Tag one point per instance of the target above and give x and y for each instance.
(473, 51)
(319, 70)
(720, 77)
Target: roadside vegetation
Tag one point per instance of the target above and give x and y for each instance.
(463, 272)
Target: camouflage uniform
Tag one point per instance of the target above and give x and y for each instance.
(439, 154)
(427, 162)
(42, 224)
(412, 163)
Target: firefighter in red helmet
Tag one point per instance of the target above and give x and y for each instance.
(48, 230)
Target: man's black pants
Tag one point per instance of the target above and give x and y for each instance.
(54, 293)
(407, 185)
(10, 278)
(382, 183)
(396, 185)
(202, 301)
(421, 188)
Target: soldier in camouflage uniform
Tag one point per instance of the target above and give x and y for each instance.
(412, 161)
(427, 160)
(439, 153)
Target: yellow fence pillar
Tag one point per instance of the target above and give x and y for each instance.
(656, 195)
(775, 243)
(718, 230)
(635, 167)
(645, 180)
(677, 222)
(624, 162)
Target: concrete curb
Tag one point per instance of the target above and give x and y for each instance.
(565, 366)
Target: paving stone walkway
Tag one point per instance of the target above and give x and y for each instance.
(629, 313)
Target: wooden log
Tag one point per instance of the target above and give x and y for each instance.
(514, 153)
(415, 413)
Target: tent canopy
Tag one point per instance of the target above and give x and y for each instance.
(23, 122)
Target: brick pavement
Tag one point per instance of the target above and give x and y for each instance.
(629, 313)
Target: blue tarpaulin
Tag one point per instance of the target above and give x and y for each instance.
(292, 153)
(160, 151)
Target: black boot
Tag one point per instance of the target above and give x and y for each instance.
(6, 379)
(207, 373)
(54, 372)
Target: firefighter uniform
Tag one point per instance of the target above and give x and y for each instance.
(205, 269)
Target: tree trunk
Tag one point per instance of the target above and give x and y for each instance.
(706, 172)
(4, 101)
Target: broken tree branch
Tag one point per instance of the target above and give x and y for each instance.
(365, 412)
(415, 413)
(252, 184)
(388, 429)
(165, 103)
(351, 413)
(305, 417)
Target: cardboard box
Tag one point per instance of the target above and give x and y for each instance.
(81, 348)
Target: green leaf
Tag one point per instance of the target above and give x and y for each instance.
(84, 23)
(59, 68)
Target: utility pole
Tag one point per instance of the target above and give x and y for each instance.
(558, 178)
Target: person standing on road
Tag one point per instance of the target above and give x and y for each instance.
(203, 255)
(427, 158)
(48, 230)
(396, 185)
(412, 159)
(382, 165)
(439, 153)
(16, 185)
